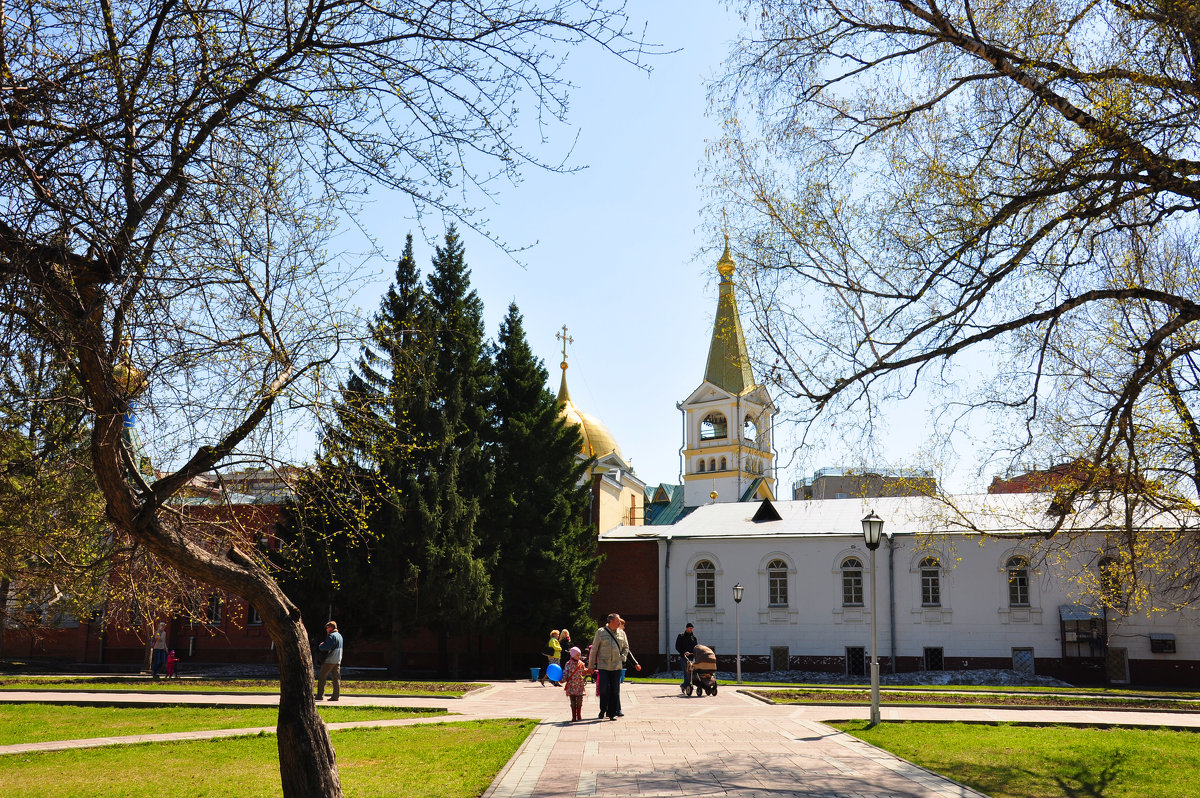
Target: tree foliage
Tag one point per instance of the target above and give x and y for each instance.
(171, 173)
(925, 192)
(449, 489)
(56, 549)
(536, 511)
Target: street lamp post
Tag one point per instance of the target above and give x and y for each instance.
(872, 528)
(737, 614)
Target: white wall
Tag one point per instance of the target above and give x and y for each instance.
(974, 619)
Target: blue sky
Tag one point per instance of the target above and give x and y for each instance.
(621, 256)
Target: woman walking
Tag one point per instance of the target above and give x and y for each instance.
(553, 652)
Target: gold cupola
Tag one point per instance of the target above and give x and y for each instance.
(597, 440)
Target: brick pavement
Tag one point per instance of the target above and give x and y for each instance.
(667, 744)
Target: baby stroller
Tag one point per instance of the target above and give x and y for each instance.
(701, 666)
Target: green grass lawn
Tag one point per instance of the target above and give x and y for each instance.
(1008, 761)
(440, 760)
(35, 723)
(1075, 700)
(109, 684)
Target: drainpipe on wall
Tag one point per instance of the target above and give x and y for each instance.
(891, 540)
(666, 626)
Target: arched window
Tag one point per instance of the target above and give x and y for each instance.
(713, 427)
(750, 429)
(712, 464)
(931, 582)
(724, 464)
(777, 583)
(1018, 581)
(701, 465)
(1110, 582)
(706, 584)
(852, 582)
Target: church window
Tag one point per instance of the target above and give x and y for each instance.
(1018, 582)
(777, 583)
(750, 429)
(701, 465)
(713, 427)
(852, 582)
(712, 464)
(706, 584)
(724, 465)
(931, 582)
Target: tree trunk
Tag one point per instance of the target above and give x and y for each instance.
(4, 582)
(307, 765)
(307, 762)
(443, 651)
(396, 647)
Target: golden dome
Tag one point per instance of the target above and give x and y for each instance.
(597, 440)
(725, 266)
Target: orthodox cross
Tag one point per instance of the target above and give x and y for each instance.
(566, 339)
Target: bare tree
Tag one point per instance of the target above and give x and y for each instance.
(995, 201)
(171, 171)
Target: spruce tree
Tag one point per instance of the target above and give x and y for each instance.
(454, 581)
(357, 548)
(538, 504)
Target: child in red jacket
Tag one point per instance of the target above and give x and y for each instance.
(574, 678)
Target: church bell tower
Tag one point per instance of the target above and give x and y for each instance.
(728, 447)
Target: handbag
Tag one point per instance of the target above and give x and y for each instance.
(547, 652)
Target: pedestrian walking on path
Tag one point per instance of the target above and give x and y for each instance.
(685, 641)
(331, 666)
(575, 683)
(158, 656)
(610, 647)
(552, 651)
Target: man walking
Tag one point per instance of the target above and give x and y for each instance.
(685, 641)
(607, 658)
(331, 666)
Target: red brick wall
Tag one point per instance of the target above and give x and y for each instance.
(627, 583)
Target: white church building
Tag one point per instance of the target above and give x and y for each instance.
(960, 582)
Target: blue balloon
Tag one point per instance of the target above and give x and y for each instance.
(553, 672)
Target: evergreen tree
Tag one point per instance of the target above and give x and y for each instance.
(537, 507)
(351, 544)
(454, 578)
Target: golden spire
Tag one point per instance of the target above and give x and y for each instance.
(564, 395)
(728, 359)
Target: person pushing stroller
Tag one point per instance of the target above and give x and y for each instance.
(701, 667)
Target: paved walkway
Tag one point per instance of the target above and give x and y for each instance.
(666, 745)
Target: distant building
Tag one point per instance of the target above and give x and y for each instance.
(848, 483)
(1063, 476)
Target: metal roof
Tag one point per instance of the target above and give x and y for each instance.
(1001, 514)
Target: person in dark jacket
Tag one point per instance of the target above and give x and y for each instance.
(685, 641)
